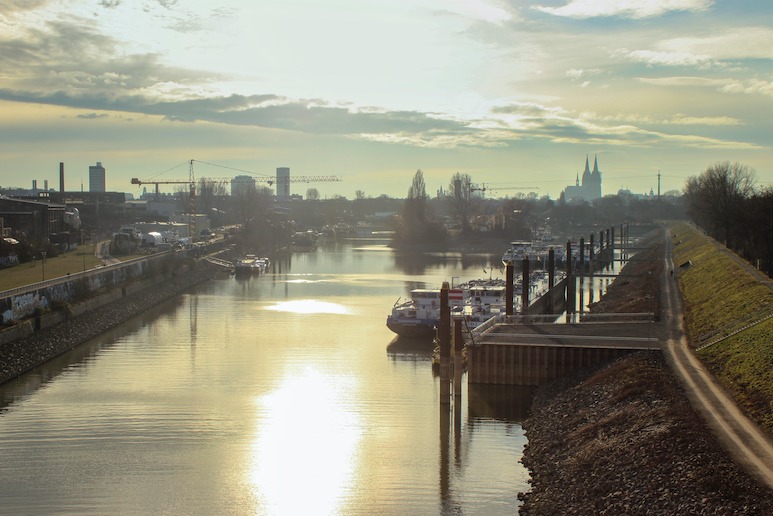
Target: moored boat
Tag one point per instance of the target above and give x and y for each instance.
(419, 315)
(251, 264)
(475, 301)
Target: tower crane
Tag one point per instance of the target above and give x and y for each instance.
(483, 188)
(191, 182)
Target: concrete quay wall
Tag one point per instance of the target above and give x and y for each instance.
(532, 365)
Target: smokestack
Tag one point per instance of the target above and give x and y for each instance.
(45, 185)
(61, 176)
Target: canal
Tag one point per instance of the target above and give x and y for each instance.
(278, 394)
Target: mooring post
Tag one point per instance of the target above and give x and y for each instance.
(458, 345)
(612, 237)
(592, 254)
(444, 336)
(509, 289)
(569, 281)
(525, 287)
(582, 257)
(551, 278)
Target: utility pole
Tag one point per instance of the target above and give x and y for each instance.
(658, 184)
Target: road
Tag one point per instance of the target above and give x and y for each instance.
(745, 442)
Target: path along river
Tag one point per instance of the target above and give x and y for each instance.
(276, 394)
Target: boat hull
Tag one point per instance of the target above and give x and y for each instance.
(405, 327)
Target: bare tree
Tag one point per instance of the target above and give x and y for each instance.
(312, 194)
(415, 228)
(716, 197)
(463, 199)
(415, 207)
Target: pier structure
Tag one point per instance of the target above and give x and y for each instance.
(525, 350)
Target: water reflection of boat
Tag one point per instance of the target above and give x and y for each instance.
(410, 346)
(304, 241)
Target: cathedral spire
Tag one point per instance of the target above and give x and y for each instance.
(587, 168)
(595, 164)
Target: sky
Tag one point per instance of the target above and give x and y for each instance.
(516, 94)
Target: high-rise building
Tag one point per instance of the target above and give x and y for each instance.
(241, 185)
(282, 183)
(97, 177)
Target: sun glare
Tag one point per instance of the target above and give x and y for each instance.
(310, 306)
(305, 448)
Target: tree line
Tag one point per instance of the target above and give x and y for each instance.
(724, 201)
(727, 204)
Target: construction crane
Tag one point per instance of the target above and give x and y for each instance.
(483, 188)
(191, 182)
(259, 179)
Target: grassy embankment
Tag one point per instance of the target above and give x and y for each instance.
(27, 273)
(720, 295)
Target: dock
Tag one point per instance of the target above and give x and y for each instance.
(509, 353)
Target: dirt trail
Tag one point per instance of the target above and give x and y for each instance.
(742, 438)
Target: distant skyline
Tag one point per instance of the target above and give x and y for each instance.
(515, 94)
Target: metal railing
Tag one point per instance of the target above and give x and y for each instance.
(32, 287)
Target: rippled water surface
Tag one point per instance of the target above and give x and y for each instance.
(278, 394)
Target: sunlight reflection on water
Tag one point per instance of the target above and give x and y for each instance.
(288, 452)
(310, 306)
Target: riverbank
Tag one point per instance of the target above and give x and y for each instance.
(624, 439)
(24, 354)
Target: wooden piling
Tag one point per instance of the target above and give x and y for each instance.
(525, 286)
(509, 289)
(592, 255)
(458, 342)
(444, 338)
(551, 278)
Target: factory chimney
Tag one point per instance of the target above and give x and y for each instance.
(61, 176)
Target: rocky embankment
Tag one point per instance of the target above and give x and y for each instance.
(624, 439)
(22, 355)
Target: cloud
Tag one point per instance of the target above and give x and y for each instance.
(751, 86)
(635, 9)
(68, 63)
(13, 6)
(683, 81)
(723, 49)
(480, 10)
(92, 116)
(530, 120)
(110, 4)
(677, 119)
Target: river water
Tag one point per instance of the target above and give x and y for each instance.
(278, 394)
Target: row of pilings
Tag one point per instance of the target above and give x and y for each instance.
(561, 296)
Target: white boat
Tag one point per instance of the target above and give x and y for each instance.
(476, 302)
(419, 315)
